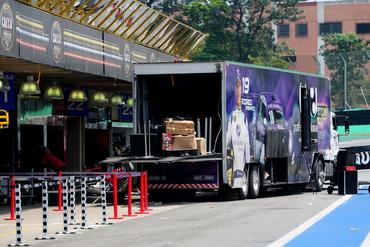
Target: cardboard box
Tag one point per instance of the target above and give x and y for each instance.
(184, 142)
(179, 127)
(201, 145)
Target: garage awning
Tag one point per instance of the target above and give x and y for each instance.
(130, 20)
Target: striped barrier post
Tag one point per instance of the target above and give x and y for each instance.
(18, 215)
(60, 199)
(65, 209)
(12, 199)
(103, 202)
(142, 195)
(83, 206)
(129, 198)
(45, 204)
(72, 193)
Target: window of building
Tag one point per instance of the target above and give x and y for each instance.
(330, 27)
(283, 30)
(290, 59)
(362, 28)
(301, 30)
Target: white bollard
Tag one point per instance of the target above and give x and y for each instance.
(103, 202)
(45, 204)
(72, 190)
(65, 209)
(83, 205)
(18, 217)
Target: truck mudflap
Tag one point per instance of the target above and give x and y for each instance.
(183, 175)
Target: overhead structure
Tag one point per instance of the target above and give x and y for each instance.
(130, 20)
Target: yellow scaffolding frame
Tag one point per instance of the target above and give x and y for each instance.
(104, 9)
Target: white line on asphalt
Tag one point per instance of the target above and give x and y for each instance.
(301, 228)
(366, 242)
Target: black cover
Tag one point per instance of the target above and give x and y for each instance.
(347, 182)
(345, 158)
(362, 154)
(277, 143)
(138, 144)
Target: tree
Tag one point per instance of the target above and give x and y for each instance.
(240, 30)
(347, 48)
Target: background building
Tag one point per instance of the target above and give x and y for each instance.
(322, 17)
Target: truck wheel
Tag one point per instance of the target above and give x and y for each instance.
(243, 191)
(319, 175)
(254, 182)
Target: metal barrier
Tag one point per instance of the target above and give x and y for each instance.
(60, 207)
(115, 199)
(129, 198)
(61, 180)
(12, 199)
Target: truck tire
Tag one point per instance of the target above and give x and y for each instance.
(319, 175)
(254, 182)
(243, 191)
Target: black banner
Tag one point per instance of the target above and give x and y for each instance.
(362, 154)
(40, 37)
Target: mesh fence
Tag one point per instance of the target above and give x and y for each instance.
(350, 79)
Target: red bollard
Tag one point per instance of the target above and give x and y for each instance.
(146, 192)
(12, 202)
(115, 199)
(60, 208)
(129, 198)
(142, 195)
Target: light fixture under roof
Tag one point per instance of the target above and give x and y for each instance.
(117, 99)
(4, 83)
(53, 91)
(78, 95)
(30, 86)
(130, 101)
(99, 97)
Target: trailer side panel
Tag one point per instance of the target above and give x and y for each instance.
(260, 101)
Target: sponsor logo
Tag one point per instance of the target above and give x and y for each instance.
(153, 58)
(56, 42)
(363, 158)
(127, 60)
(7, 27)
(313, 100)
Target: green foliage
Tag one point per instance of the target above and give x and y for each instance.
(239, 30)
(273, 58)
(348, 48)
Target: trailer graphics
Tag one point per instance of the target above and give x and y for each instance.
(260, 101)
(262, 127)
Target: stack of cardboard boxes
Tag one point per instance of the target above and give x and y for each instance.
(179, 135)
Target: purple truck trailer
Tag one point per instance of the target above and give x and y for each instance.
(263, 127)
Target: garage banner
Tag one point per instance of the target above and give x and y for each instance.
(40, 37)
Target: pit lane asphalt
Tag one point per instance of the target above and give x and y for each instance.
(210, 222)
